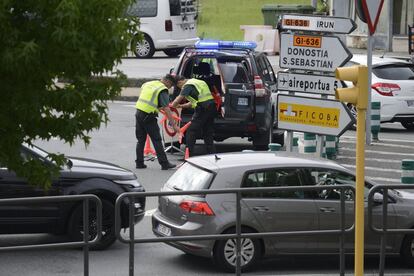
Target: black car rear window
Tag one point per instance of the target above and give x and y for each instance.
(233, 72)
(395, 71)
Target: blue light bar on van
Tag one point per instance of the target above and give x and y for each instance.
(217, 44)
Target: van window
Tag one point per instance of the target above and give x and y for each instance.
(143, 8)
(175, 7)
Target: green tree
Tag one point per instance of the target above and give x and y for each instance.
(45, 40)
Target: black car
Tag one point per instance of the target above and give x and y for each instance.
(79, 176)
(246, 86)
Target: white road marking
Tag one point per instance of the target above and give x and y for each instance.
(374, 168)
(379, 152)
(370, 159)
(149, 213)
(381, 144)
(387, 140)
(380, 179)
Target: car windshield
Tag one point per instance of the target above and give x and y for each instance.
(395, 71)
(189, 178)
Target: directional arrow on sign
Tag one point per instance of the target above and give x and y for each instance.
(306, 83)
(312, 52)
(327, 24)
(320, 116)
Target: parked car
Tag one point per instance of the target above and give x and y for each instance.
(246, 84)
(272, 211)
(393, 87)
(167, 25)
(79, 176)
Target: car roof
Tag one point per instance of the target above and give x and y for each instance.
(260, 160)
(220, 52)
(376, 60)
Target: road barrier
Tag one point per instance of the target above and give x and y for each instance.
(309, 141)
(407, 171)
(384, 230)
(375, 119)
(330, 147)
(55, 199)
(238, 235)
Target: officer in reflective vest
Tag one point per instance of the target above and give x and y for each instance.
(153, 97)
(200, 99)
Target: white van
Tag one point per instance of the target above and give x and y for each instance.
(167, 25)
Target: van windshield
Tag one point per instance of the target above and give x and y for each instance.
(189, 178)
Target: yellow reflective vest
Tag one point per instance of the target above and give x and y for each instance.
(148, 99)
(204, 93)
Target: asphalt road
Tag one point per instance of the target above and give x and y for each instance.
(116, 143)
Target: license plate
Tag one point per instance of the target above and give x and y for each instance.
(243, 101)
(166, 231)
(410, 103)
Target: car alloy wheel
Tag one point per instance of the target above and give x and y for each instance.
(408, 125)
(108, 225)
(246, 251)
(225, 252)
(407, 250)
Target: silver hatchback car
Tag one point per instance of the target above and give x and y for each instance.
(271, 211)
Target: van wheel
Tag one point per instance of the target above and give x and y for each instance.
(407, 250)
(174, 52)
(144, 48)
(108, 225)
(225, 255)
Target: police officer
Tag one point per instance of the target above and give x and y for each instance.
(199, 97)
(153, 97)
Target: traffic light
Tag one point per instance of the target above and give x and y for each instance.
(357, 95)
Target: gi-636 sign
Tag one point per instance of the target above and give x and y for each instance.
(312, 52)
(300, 22)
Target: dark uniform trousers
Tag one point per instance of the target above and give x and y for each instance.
(146, 123)
(203, 120)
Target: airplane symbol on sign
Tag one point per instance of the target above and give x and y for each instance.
(288, 111)
(283, 81)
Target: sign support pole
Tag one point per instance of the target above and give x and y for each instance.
(368, 136)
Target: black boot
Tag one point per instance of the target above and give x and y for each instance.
(167, 166)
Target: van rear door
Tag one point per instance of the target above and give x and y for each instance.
(183, 18)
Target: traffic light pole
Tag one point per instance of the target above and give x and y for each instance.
(357, 95)
(368, 138)
(359, 193)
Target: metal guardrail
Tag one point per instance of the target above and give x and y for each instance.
(52, 199)
(238, 235)
(384, 230)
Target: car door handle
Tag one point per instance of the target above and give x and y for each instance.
(327, 209)
(261, 208)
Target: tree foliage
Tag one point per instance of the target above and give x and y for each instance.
(42, 41)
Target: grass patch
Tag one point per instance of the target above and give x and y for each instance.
(221, 19)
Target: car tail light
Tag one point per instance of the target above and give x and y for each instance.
(259, 87)
(386, 89)
(168, 26)
(197, 207)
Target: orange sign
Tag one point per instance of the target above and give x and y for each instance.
(307, 41)
(296, 22)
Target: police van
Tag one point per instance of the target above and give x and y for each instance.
(166, 25)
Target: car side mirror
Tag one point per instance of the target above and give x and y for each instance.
(378, 198)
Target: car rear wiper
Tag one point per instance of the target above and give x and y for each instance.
(175, 187)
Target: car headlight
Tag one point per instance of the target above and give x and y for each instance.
(132, 183)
